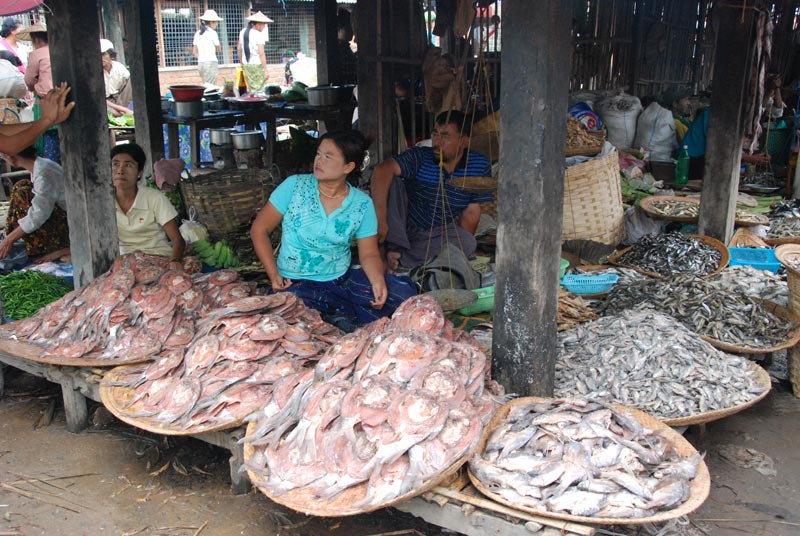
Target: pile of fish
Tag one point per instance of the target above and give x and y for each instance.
(787, 208)
(674, 208)
(671, 253)
(728, 317)
(745, 279)
(392, 405)
(236, 355)
(134, 311)
(652, 362)
(763, 179)
(784, 228)
(572, 311)
(583, 458)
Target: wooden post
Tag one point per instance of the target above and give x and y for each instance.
(75, 55)
(536, 48)
(75, 409)
(375, 93)
(725, 125)
(326, 41)
(112, 31)
(140, 27)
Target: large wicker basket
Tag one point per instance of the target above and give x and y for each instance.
(593, 201)
(226, 199)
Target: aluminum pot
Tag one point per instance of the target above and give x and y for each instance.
(221, 136)
(249, 139)
(323, 95)
(188, 108)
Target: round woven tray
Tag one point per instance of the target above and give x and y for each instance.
(38, 353)
(305, 500)
(647, 203)
(762, 379)
(784, 240)
(115, 397)
(757, 219)
(779, 311)
(724, 259)
(787, 253)
(477, 185)
(699, 488)
(745, 238)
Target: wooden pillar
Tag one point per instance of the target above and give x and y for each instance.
(536, 48)
(725, 125)
(140, 27)
(326, 41)
(375, 91)
(112, 31)
(75, 55)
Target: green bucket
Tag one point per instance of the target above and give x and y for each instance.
(564, 266)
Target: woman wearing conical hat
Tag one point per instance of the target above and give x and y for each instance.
(251, 51)
(206, 46)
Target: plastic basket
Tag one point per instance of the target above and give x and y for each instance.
(589, 284)
(762, 259)
(563, 269)
(484, 303)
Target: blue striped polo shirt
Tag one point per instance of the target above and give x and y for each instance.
(426, 184)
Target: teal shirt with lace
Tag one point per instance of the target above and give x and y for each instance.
(315, 245)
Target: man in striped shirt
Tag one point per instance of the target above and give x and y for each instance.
(418, 210)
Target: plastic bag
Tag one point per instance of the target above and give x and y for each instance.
(192, 230)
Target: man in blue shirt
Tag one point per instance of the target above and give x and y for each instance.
(418, 210)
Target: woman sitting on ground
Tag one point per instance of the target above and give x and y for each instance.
(145, 217)
(38, 209)
(321, 214)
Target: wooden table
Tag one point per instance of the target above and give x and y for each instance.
(210, 119)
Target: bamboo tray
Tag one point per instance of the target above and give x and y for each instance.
(724, 259)
(647, 203)
(787, 253)
(779, 311)
(305, 499)
(114, 397)
(699, 488)
(476, 185)
(763, 380)
(38, 353)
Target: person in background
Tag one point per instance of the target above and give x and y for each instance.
(116, 78)
(145, 217)
(773, 99)
(12, 81)
(37, 74)
(37, 210)
(678, 102)
(288, 58)
(251, 51)
(417, 209)
(205, 47)
(348, 63)
(10, 40)
(321, 214)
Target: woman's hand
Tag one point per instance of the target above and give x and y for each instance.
(53, 107)
(380, 293)
(5, 247)
(280, 283)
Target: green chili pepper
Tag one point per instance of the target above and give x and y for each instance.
(24, 293)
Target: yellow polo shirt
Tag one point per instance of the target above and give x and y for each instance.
(142, 228)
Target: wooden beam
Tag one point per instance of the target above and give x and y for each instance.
(326, 41)
(735, 29)
(111, 29)
(75, 56)
(536, 48)
(140, 26)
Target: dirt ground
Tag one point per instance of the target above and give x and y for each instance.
(116, 480)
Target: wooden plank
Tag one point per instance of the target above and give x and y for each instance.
(326, 42)
(111, 29)
(536, 48)
(140, 27)
(75, 55)
(725, 125)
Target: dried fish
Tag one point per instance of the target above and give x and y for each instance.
(572, 310)
(753, 282)
(733, 318)
(784, 228)
(652, 362)
(671, 253)
(675, 208)
(583, 458)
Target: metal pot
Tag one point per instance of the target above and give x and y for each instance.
(185, 93)
(188, 108)
(166, 105)
(221, 136)
(323, 95)
(250, 139)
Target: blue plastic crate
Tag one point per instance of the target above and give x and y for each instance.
(760, 258)
(589, 284)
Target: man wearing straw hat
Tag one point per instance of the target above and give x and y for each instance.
(251, 51)
(37, 75)
(205, 47)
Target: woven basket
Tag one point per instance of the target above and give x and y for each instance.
(745, 238)
(226, 199)
(593, 201)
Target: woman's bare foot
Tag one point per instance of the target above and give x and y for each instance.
(393, 260)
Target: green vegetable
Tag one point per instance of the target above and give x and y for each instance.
(24, 293)
(121, 121)
(292, 95)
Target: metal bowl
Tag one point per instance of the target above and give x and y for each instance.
(221, 136)
(250, 139)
